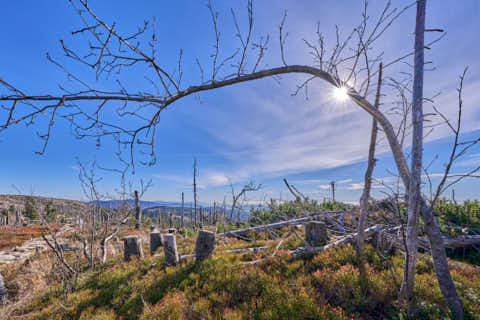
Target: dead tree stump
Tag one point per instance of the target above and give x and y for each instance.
(316, 232)
(383, 243)
(205, 245)
(132, 246)
(156, 241)
(170, 248)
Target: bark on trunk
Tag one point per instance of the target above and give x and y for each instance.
(103, 245)
(183, 212)
(348, 239)
(277, 225)
(414, 194)
(368, 175)
(138, 212)
(440, 262)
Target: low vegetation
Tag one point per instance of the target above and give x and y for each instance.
(321, 286)
(324, 286)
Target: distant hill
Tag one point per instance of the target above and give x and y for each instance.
(61, 205)
(115, 204)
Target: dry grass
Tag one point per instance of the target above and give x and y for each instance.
(25, 282)
(12, 236)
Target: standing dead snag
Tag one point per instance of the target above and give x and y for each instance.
(205, 245)
(170, 249)
(195, 190)
(364, 199)
(296, 194)
(104, 57)
(183, 212)
(132, 246)
(138, 211)
(414, 188)
(235, 197)
(332, 186)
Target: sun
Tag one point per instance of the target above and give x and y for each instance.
(340, 94)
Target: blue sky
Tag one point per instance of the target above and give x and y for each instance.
(253, 131)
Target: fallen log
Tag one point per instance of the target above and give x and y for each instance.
(455, 242)
(348, 239)
(299, 252)
(252, 249)
(240, 233)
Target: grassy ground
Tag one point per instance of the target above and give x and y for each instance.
(323, 286)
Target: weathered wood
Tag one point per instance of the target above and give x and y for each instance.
(316, 232)
(183, 210)
(3, 289)
(252, 249)
(383, 242)
(170, 249)
(364, 199)
(205, 244)
(156, 241)
(302, 251)
(348, 239)
(132, 247)
(455, 242)
(138, 211)
(66, 247)
(104, 246)
(276, 225)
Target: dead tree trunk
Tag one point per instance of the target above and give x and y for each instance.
(368, 174)
(138, 212)
(156, 241)
(316, 232)
(414, 194)
(440, 262)
(215, 212)
(295, 195)
(183, 210)
(170, 248)
(132, 247)
(271, 226)
(3, 289)
(195, 189)
(332, 185)
(205, 245)
(103, 245)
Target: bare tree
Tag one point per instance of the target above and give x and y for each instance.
(251, 186)
(332, 187)
(138, 211)
(195, 190)
(415, 193)
(109, 52)
(183, 211)
(364, 199)
(296, 194)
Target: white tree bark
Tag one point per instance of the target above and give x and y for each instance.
(414, 193)
(368, 174)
